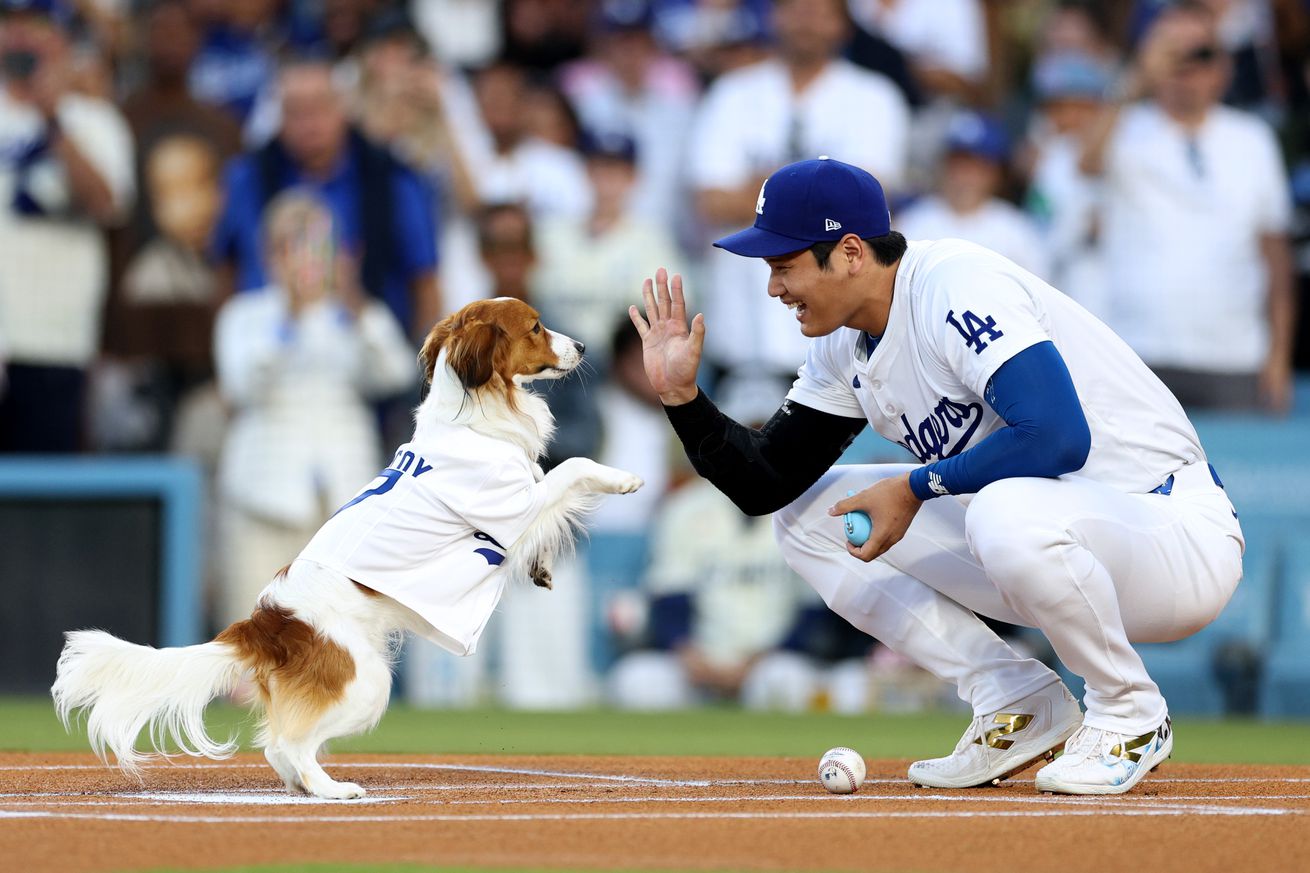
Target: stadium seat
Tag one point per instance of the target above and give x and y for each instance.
(615, 562)
(1285, 683)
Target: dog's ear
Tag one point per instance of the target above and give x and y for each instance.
(472, 351)
(437, 337)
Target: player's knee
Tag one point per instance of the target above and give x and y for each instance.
(1011, 539)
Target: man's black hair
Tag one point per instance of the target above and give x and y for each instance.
(887, 249)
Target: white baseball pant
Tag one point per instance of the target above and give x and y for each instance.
(1091, 567)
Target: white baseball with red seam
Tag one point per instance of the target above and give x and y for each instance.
(841, 770)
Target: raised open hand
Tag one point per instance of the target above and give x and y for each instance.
(670, 351)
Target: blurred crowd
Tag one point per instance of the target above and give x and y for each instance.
(226, 224)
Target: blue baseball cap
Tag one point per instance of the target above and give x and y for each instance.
(812, 201)
(57, 11)
(976, 133)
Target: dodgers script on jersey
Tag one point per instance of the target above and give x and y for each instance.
(960, 311)
(431, 531)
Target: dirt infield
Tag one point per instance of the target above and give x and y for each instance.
(67, 813)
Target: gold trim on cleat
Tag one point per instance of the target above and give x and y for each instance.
(1010, 723)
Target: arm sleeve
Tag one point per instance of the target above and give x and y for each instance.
(1047, 434)
(762, 470)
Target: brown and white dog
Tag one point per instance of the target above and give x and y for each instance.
(319, 645)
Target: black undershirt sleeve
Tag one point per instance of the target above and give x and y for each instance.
(762, 470)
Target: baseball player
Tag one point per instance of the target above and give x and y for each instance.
(1059, 484)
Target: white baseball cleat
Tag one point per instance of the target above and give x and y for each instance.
(1098, 761)
(997, 746)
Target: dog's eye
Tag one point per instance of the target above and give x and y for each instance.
(536, 328)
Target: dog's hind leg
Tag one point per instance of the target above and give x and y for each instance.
(359, 707)
(279, 761)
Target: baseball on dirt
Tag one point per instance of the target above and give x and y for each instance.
(841, 770)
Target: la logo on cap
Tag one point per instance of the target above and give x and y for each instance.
(759, 202)
(830, 225)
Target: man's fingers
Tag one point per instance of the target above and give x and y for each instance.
(698, 333)
(648, 298)
(843, 506)
(678, 303)
(638, 322)
(662, 300)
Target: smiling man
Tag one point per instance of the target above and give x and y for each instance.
(1059, 484)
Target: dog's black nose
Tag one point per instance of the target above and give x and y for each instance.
(579, 346)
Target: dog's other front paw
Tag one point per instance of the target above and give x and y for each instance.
(621, 482)
(541, 576)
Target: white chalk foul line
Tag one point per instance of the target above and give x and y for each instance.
(558, 774)
(422, 765)
(636, 816)
(1200, 804)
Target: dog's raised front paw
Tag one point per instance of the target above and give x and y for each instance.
(541, 576)
(622, 482)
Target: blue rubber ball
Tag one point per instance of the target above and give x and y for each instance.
(858, 525)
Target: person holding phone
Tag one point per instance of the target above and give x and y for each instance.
(66, 173)
(299, 364)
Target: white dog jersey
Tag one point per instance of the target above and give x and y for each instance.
(958, 313)
(432, 530)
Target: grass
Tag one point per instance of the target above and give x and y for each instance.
(29, 724)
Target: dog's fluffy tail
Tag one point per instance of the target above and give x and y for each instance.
(125, 688)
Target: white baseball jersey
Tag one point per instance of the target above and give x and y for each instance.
(431, 531)
(958, 313)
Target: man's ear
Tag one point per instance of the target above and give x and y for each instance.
(852, 251)
(471, 353)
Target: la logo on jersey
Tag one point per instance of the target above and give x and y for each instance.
(759, 201)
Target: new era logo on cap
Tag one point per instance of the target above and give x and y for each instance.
(807, 195)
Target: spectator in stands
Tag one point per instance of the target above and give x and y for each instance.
(299, 363)
(797, 104)
(160, 320)
(547, 177)
(945, 41)
(236, 58)
(722, 602)
(406, 100)
(1069, 89)
(542, 34)
(65, 174)
(426, 112)
(714, 36)
(383, 209)
(1195, 225)
(968, 205)
(506, 244)
(587, 269)
(628, 86)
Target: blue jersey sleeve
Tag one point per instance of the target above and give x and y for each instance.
(1047, 434)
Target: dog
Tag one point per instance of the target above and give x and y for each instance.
(428, 547)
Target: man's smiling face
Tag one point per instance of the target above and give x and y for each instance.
(818, 297)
